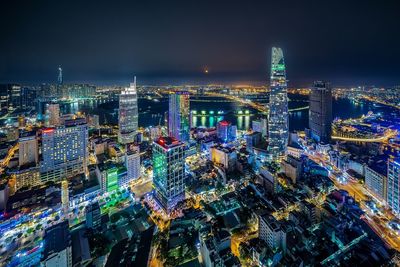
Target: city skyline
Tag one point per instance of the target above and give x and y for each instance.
(191, 174)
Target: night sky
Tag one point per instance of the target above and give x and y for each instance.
(346, 42)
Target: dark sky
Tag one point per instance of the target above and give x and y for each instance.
(346, 42)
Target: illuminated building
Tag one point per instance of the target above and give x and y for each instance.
(320, 118)
(64, 150)
(278, 106)
(132, 163)
(58, 248)
(375, 180)
(261, 126)
(393, 185)
(169, 171)
(53, 114)
(253, 139)
(179, 116)
(26, 177)
(65, 196)
(128, 114)
(16, 96)
(224, 157)
(28, 149)
(226, 132)
(110, 182)
(60, 76)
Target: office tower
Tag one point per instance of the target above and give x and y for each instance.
(393, 185)
(376, 180)
(132, 163)
(278, 106)
(179, 116)
(64, 150)
(169, 171)
(260, 125)
(28, 149)
(65, 196)
(226, 132)
(128, 114)
(15, 96)
(53, 114)
(60, 76)
(109, 179)
(58, 249)
(320, 118)
(253, 139)
(93, 215)
(28, 97)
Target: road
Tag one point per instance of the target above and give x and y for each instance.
(377, 223)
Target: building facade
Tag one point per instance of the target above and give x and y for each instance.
(320, 117)
(278, 106)
(169, 171)
(128, 114)
(64, 150)
(179, 116)
(393, 185)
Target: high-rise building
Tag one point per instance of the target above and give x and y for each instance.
(58, 248)
(278, 105)
(28, 148)
(65, 150)
(271, 232)
(320, 118)
(128, 114)
(393, 185)
(224, 157)
(261, 126)
(169, 171)
(53, 114)
(60, 76)
(376, 180)
(179, 116)
(16, 96)
(226, 132)
(132, 162)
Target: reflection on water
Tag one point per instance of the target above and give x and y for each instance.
(152, 113)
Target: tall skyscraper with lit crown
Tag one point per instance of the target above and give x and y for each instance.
(278, 105)
(179, 116)
(128, 114)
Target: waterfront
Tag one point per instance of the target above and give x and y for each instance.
(152, 112)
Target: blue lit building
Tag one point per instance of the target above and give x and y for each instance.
(278, 106)
(226, 132)
(179, 116)
(393, 185)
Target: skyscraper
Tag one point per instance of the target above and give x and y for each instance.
(128, 114)
(132, 162)
(393, 185)
(169, 171)
(226, 132)
(278, 105)
(320, 118)
(60, 76)
(179, 116)
(28, 148)
(64, 150)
